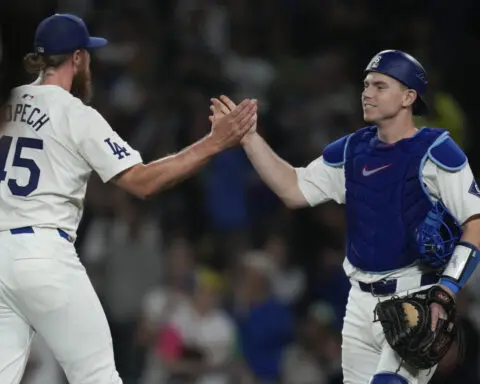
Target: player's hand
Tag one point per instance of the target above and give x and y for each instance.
(223, 106)
(230, 126)
(437, 312)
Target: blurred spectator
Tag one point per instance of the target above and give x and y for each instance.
(325, 106)
(161, 302)
(174, 290)
(330, 284)
(289, 282)
(315, 357)
(248, 68)
(303, 360)
(129, 261)
(444, 111)
(226, 183)
(265, 324)
(196, 344)
(203, 21)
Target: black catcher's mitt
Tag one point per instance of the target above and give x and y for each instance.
(406, 322)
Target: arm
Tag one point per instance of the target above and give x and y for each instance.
(144, 180)
(460, 195)
(461, 266)
(464, 259)
(280, 176)
(296, 187)
(448, 177)
(471, 231)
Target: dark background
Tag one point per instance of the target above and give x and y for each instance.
(303, 60)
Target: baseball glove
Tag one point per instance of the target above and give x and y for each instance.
(406, 322)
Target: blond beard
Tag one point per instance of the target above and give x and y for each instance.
(82, 86)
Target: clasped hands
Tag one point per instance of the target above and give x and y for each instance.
(240, 121)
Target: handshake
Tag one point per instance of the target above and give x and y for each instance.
(232, 124)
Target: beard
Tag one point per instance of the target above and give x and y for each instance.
(82, 86)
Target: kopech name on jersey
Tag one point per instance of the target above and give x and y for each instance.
(26, 113)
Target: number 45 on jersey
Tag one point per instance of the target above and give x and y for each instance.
(20, 162)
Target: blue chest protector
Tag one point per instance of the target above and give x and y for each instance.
(386, 201)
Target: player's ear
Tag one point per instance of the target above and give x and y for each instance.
(409, 97)
(77, 59)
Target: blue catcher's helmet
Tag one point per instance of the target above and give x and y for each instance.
(437, 236)
(404, 68)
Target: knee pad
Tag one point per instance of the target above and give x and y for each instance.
(387, 378)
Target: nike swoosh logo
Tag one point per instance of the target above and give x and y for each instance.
(369, 172)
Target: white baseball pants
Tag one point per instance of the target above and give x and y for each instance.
(364, 349)
(44, 288)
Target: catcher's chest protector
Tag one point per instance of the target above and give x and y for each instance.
(385, 200)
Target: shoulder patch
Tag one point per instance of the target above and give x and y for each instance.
(474, 190)
(447, 154)
(334, 153)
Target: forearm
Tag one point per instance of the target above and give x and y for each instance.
(145, 180)
(464, 259)
(280, 176)
(471, 232)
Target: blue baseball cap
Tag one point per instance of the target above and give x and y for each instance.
(64, 33)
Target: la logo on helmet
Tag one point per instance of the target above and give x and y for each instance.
(375, 61)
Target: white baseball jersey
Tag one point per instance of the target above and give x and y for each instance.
(364, 349)
(48, 149)
(459, 192)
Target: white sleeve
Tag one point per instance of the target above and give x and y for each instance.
(320, 182)
(106, 152)
(458, 190)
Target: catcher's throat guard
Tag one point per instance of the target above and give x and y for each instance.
(437, 236)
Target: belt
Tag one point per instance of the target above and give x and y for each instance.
(389, 287)
(22, 230)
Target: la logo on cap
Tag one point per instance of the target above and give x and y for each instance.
(375, 61)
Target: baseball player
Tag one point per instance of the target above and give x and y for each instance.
(413, 231)
(49, 145)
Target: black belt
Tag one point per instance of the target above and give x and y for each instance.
(389, 287)
(19, 231)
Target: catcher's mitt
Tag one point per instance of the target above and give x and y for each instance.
(406, 322)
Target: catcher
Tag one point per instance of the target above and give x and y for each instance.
(413, 228)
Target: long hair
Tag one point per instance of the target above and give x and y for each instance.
(35, 63)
